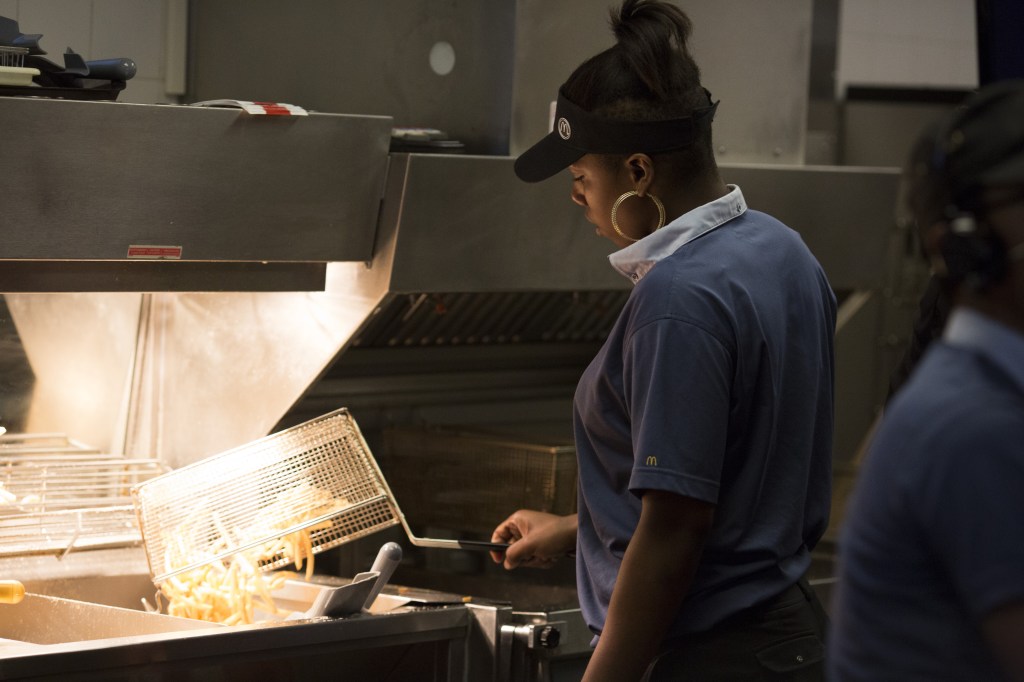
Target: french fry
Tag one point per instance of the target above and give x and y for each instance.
(229, 591)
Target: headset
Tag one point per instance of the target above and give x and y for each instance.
(973, 253)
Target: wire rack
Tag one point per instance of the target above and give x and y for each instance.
(317, 479)
(58, 495)
(12, 56)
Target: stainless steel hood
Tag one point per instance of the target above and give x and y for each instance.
(462, 223)
(104, 196)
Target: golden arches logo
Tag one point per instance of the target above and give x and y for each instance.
(652, 461)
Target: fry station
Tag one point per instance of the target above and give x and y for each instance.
(269, 381)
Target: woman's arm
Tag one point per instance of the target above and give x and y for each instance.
(655, 576)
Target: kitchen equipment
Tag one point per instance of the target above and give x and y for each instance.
(12, 67)
(57, 494)
(54, 639)
(117, 69)
(359, 595)
(12, 56)
(469, 480)
(317, 478)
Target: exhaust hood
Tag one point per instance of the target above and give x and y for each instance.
(106, 196)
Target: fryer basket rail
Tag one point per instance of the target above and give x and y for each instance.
(59, 495)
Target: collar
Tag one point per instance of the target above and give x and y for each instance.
(637, 259)
(968, 328)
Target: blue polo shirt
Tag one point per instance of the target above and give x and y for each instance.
(934, 535)
(715, 383)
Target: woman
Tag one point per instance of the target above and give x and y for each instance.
(931, 559)
(703, 427)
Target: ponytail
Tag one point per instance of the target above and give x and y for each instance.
(652, 38)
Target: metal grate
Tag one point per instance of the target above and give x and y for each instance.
(318, 477)
(31, 533)
(443, 319)
(57, 495)
(12, 56)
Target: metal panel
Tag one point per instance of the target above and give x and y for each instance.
(467, 224)
(845, 215)
(80, 348)
(134, 276)
(363, 58)
(90, 179)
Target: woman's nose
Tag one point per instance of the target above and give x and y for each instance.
(577, 197)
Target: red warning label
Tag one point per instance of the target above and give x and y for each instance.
(154, 252)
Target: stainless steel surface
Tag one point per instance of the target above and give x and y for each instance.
(846, 215)
(364, 58)
(510, 58)
(467, 224)
(760, 120)
(111, 368)
(41, 619)
(216, 184)
(469, 481)
(241, 358)
(540, 646)
(98, 276)
(71, 640)
(76, 374)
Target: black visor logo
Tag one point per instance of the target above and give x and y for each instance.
(564, 131)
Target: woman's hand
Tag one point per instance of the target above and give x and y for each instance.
(536, 539)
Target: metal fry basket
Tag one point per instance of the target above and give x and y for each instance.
(317, 479)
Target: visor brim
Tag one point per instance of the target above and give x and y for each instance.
(546, 158)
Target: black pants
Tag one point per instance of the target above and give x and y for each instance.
(782, 639)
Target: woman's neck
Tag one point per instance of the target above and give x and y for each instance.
(692, 195)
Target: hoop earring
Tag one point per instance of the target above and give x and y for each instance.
(634, 193)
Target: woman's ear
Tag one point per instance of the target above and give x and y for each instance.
(641, 171)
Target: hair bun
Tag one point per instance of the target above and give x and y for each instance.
(652, 36)
(647, 19)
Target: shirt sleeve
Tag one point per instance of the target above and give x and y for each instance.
(677, 379)
(973, 511)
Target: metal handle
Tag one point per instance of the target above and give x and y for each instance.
(384, 565)
(482, 545)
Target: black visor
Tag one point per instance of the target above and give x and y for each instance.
(578, 132)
